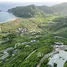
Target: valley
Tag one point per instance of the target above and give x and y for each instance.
(34, 38)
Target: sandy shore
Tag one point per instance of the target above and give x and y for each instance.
(9, 20)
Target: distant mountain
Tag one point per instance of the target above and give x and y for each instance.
(60, 8)
(26, 11)
(32, 10)
(46, 9)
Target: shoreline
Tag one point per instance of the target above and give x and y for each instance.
(8, 20)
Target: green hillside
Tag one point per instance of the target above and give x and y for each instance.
(46, 9)
(28, 46)
(26, 11)
(60, 8)
(59, 27)
(32, 10)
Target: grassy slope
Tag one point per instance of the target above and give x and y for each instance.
(60, 28)
(42, 47)
(29, 23)
(44, 42)
(19, 58)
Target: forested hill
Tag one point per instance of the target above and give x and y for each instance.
(26, 11)
(60, 8)
(46, 9)
(32, 10)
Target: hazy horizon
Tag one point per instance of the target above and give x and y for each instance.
(7, 5)
(35, 3)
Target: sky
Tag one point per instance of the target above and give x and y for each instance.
(13, 3)
(59, 1)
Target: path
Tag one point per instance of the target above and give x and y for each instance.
(30, 54)
(45, 56)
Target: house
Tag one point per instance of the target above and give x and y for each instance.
(58, 43)
(60, 47)
(21, 30)
(59, 59)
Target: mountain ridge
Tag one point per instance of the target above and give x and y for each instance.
(59, 8)
(26, 11)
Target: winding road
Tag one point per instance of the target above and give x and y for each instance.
(5, 53)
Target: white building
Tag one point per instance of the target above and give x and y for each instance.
(59, 58)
